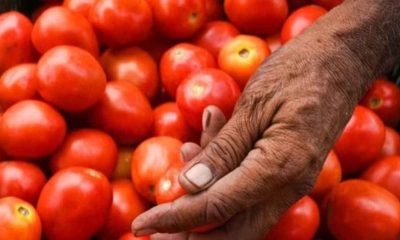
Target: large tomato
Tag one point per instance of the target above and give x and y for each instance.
(123, 167)
(328, 4)
(391, 146)
(80, 6)
(130, 236)
(274, 41)
(74, 204)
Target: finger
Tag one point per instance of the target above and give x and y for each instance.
(213, 121)
(189, 150)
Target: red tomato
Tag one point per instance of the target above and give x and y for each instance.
(86, 148)
(41, 9)
(299, 222)
(358, 209)
(242, 56)
(80, 6)
(126, 206)
(123, 167)
(19, 220)
(178, 19)
(70, 78)
(156, 46)
(179, 61)
(74, 204)
(15, 40)
(328, 4)
(329, 177)
(31, 129)
(168, 188)
(150, 161)
(121, 22)
(257, 16)
(300, 20)
(274, 41)
(361, 141)
(124, 112)
(391, 146)
(215, 35)
(214, 9)
(18, 83)
(134, 65)
(60, 26)
(21, 179)
(384, 99)
(130, 236)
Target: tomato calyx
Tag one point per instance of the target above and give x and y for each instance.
(375, 103)
(244, 53)
(23, 211)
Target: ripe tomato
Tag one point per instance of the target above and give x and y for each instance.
(124, 112)
(179, 61)
(214, 10)
(150, 161)
(18, 83)
(19, 220)
(274, 41)
(74, 204)
(328, 4)
(60, 26)
(123, 167)
(215, 35)
(241, 57)
(168, 188)
(300, 20)
(86, 148)
(177, 19)
(257, 16)
(121, 22)
(134, 65)
(31, 129)
(15, 40)
(299, 222)
(126, 206)
(130, 236)
(80, 6)
(329, 177)
(391, 146)
(384, 99)
(70, 78)
(361, 141)
(206, 87)
(358, 209)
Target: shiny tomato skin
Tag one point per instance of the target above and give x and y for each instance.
(42, 8)
(168, 188)
(361, 141)
(123, 168)
(257, 17)
(391, 146)
(328, 4)
(274, 41)
(74, 204)
(124, 112)
(132, 64)
(214, 10)
(70, 78)
(130, 236)
(19, 220)
(31, 129)
(60, 26)
(181, 60)
(18, 83)
(358, 209)
(79, 6)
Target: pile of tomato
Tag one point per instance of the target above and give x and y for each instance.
(98, 96)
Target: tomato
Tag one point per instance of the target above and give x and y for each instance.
(126, 206)
(215, 35)
(130, 236)
(358, 209)
(18, 83)
(179, 61)
(361, 141)
(31, 129)
(177, 19)
(299, 222)
(150, 161)
(134, 65)
(86, 148)
(242, 56)
(70, 78)
(42, 8)
(123, 167)
(80, 6)
(214, 9)
(300, 20)
(168, 188)
(391, 146)
(19, 220)
(257, 16)
(156, 45)
(74, 204)
(329, 177)
(274, 41)
(328, 4)
(15, 40)
(124, 112)
(121, 22)
(384, 99)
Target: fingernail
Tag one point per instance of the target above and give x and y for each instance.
(145, 232)
(206, 119)
(199, 175)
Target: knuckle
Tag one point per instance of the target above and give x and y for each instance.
(218, 208)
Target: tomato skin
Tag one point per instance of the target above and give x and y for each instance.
(123, 112)
(130, 236)
(274, 42)
(123, 168)
(328, 4)
(358, 209)
(121, 22)
(79, 6)
(35, 122)
(132, 64)
(214, 9)
(70, 78)
(267, 16)
(19, 220)
(82, 196)
(299, 222)
(168, 188)
(361, 141)
(181, 60)
(391, 146)
(41, 9)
